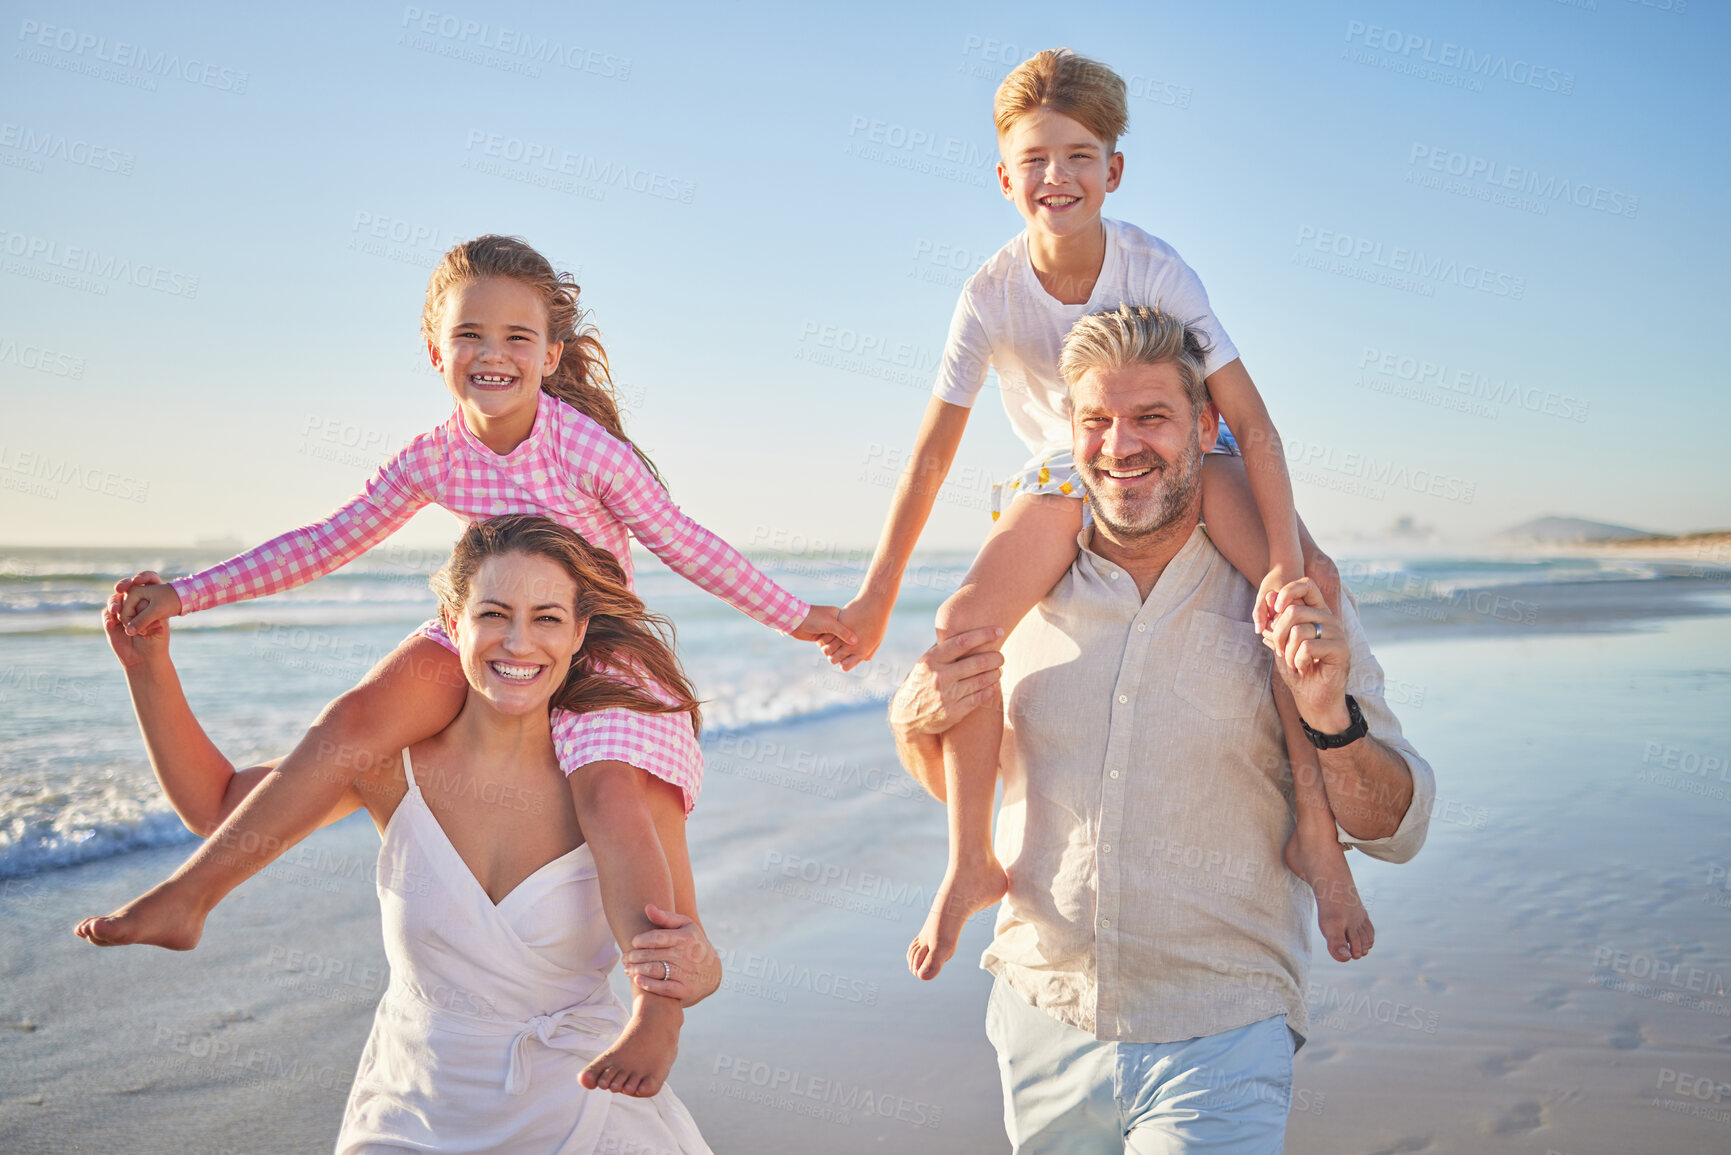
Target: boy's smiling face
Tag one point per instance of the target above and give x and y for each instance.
(1056, 172)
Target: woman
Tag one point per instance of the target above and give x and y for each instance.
(498, 996)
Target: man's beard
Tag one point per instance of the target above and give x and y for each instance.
(1147, 513)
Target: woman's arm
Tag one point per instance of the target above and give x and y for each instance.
(201, 784)
(1241, 405)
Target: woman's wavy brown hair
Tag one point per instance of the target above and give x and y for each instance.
(627, 657)
(582, 378)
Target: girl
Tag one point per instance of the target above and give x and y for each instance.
(1058, 118)
(536, 430)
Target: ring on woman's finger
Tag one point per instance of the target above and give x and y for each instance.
(1318, 626)
(666, 970)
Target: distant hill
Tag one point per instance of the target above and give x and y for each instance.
(1567, 531)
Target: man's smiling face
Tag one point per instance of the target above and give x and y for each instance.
(1138, 445)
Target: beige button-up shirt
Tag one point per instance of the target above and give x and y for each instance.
(1147, 802)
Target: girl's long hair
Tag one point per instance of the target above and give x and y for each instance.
(627, 657)
(582, 378)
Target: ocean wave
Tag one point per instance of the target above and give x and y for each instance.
(33, 847)
(75, 786)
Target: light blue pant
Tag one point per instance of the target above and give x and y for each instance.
(1068, 1093)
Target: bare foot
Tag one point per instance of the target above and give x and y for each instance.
(1321, 862)
(639, 1059)
(965, 891)
(158, 917)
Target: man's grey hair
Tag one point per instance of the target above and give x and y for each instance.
(1137, 335)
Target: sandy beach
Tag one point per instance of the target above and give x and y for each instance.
(1552, 974)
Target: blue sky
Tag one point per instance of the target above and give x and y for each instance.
(1473, 253)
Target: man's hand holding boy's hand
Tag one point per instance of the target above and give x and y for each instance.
(1312, 654)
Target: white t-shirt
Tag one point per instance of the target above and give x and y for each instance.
(1005, 319)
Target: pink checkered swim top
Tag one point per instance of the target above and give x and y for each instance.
(569, 469)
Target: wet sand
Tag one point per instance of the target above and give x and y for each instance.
(1552, 974)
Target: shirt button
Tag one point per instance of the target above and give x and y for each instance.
(1114, 773)
(1105, 922)
(1141, 627)
(1105, 848)
(1113, 575)
(1123, 697)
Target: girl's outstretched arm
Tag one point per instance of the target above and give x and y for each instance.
(391, 498)
(916, 492)
(610, 471)
(201, 784)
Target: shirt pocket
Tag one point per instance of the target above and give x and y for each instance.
(1224, 667)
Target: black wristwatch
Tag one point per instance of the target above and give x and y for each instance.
(1356, 730)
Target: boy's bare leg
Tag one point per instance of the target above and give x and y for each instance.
(1028, 550)
(409, 696)
(613, 809)
(1313, 853)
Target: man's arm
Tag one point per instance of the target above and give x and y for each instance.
(1381, 791)
(946, 684)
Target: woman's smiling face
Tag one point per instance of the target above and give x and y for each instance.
(519, 631)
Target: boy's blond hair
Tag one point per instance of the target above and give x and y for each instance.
(1084, 90)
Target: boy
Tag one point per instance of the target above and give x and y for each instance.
(1058, 118)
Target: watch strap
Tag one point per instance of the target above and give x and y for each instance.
(1356, 729)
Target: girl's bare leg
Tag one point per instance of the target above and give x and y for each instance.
(614, 801)
(409, 696)
(1313, 853)
(1028, 550)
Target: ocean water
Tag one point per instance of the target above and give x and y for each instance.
(75, 785)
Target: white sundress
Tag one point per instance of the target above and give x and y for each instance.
(493, 1011)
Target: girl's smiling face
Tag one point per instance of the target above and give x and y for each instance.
(1056, 172)
(518, 632)
(492, 350)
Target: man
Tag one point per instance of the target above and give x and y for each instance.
(1151, 954)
